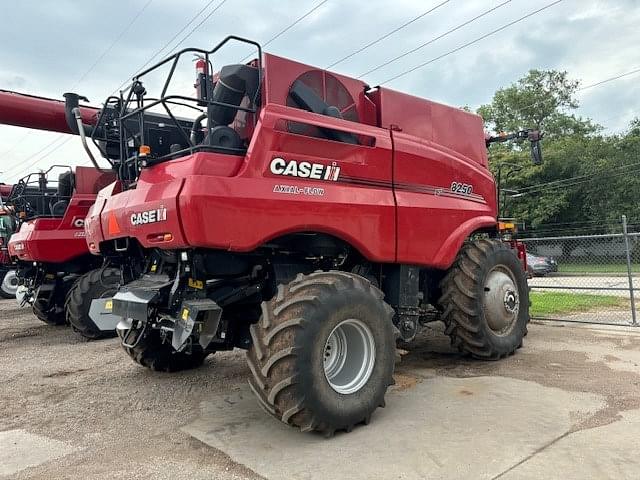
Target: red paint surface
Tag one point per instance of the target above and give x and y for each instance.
(57, 240)
(38, 112)
(392, 201)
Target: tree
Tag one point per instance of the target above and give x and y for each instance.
(534, 101)
(583, 180)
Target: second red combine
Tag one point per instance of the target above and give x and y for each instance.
(50, 260)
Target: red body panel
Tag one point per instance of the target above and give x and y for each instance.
(53, 240)
(392, 199)
(57, 240)
(5, 190)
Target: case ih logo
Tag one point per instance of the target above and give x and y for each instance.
(149, 216)
(316, 171)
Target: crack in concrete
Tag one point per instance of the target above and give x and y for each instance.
(533, 454)
(612, 417)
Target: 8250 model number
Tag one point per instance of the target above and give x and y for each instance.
(463, 188)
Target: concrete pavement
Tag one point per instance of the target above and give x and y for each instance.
(492, 420)
(565, 406)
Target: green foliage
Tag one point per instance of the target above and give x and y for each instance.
(587, 179)
(556, 303)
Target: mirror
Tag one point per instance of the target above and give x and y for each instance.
(534, 137)
(536, 152)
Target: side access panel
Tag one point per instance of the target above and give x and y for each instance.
(350, 198)
(442, 197)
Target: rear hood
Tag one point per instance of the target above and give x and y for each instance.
(150, 212)
(40, 240)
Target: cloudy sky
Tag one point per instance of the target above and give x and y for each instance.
(91, 47)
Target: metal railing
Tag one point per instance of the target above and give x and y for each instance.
(585, 278)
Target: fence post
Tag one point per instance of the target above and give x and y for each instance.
(629, 272)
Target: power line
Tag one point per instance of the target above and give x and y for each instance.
(433, 40)
(588, 180)
(195, 17)
(387, 35)
(595, 84)
(18, 165)
(28, 167)
(115, 41)
(578, 177)
(577, 180)
(166, 44)
(615, 117)
(289, 27)
(19, 142)
(611, 79)
(86, 73)
(465, 45)
(193, 30)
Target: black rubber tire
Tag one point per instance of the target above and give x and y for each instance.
(463, 291)
(286, 356)
(98, 283)
(47, 314)
(3, 293)
(152, 353)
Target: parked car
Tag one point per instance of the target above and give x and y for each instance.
(538, 265)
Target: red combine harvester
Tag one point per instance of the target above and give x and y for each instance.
(8, 278)
(307, 218)
(58, 276)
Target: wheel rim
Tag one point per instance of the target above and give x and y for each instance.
(501, 300)
(10, 283)
(349, 356)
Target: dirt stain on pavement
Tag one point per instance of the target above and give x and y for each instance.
(404, 381)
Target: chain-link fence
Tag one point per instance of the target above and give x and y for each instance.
(585, 278)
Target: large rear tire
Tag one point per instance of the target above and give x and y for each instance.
(99, 283)
(323, 352)
(151, 352)
(485, 300)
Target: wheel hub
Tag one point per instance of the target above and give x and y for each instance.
(510, 301)
(501, 300)
(10, 282)
(349, 356)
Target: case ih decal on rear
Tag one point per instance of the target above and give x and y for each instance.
(315, 171)
(149, 216)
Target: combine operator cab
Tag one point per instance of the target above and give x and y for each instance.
(305, 217)
(137, 130)
(43, 194)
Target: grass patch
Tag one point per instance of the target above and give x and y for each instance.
(596, 268)
(555, 303)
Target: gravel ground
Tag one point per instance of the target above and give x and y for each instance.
(124, 421)
(124, 418)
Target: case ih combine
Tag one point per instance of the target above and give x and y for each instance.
(307, 218)
(8, 278)
(58, 276)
